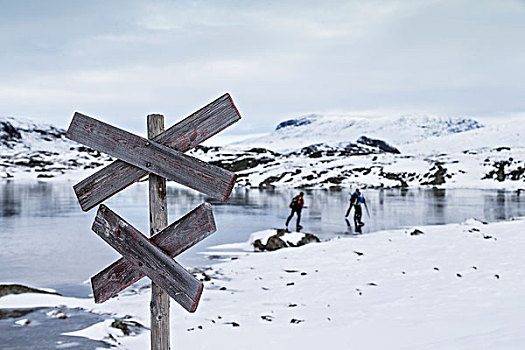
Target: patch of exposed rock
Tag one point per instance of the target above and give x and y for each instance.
(6, 289)
(280, 240)
(382, 145)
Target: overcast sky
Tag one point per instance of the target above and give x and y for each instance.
(121, 60)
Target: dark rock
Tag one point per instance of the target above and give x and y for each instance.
(16, 313)
(334, 180)
(275, 242)
(267, 183)
(127, 327)
(438, 176)
(499, 172)
(294, 123)
(308, 238)
(517, 174)
(295, 321)
(396, 177)
(9, 134)
(200, 274)
(205, 149)
(382, 145)
(242, 164)
(317, 154)
(267, 318)
(416, 232)
(6, 289)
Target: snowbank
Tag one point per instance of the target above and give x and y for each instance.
(450, 287)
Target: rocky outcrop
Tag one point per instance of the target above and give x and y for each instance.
(280, 240)
(128, 327)
(294, 122)
(382, 145)
(6, 289)
(8, 134)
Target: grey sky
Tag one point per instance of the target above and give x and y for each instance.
(120, 60)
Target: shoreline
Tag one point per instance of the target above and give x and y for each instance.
(454, 285)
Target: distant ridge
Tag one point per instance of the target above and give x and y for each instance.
(300, 132)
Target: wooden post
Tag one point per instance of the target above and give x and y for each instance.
(158, 215)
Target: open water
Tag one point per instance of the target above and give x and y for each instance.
(46, 240)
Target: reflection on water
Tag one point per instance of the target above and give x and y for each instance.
(46, 240)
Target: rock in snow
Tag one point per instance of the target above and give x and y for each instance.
(271, 240)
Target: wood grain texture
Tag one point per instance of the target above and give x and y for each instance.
(173, 240)
(152, 156)
(182, 136)
(158, 220)
(146, 257)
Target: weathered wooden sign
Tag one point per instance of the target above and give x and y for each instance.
(173, 240)
(182, 137)
(161, 156)
(151, 156)
(147, 258)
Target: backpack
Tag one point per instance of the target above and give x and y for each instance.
(294, 203)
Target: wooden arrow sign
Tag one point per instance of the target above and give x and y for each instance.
(182, 136)
(146, 257)
(151, 156)
(173, 240)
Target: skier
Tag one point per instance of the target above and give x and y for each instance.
(355, 201)
(296, 205)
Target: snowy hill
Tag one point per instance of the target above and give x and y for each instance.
(409, 151)
(313, 152)
(314, 129)
(39, 150)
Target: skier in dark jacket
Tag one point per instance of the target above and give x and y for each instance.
(355, 201)
(296, 205)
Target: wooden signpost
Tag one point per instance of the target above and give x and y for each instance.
(161, 156)
(183, 136)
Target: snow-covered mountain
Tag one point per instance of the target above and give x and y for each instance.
(313, 152)
(39, 150)
(408, 151)
(301, 132)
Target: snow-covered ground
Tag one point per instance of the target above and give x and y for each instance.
(457, 286)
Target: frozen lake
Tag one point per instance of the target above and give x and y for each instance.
(46, 239)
